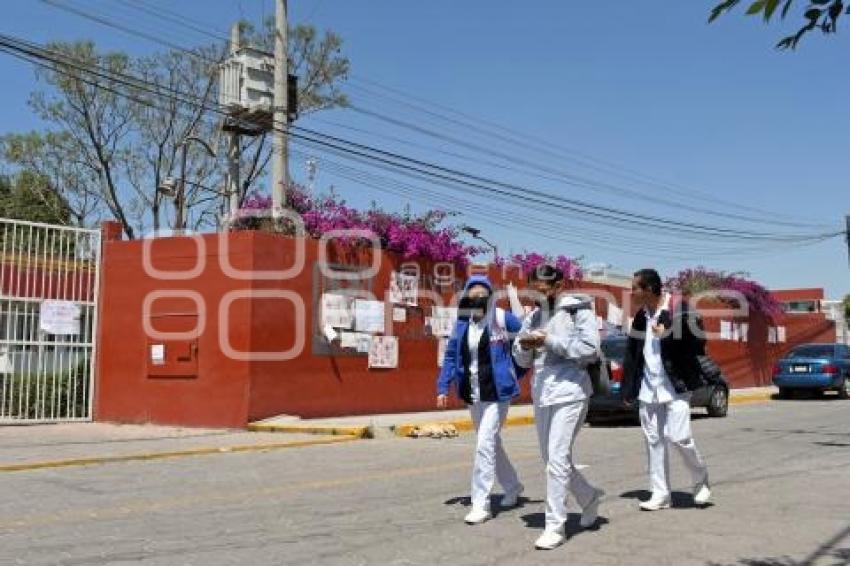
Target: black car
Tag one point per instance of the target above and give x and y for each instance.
(607, 399)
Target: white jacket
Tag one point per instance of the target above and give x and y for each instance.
(560, 374)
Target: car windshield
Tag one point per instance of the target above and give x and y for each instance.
(614, 349)
(813, 351)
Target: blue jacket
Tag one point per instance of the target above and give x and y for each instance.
(504, 371)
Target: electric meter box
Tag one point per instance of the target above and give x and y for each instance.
(246, 85)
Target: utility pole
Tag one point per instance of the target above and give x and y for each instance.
(280, 153)
(180, 197)
(847, 235)
(234, 147)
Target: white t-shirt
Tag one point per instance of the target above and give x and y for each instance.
(655, 386)
(473, 339)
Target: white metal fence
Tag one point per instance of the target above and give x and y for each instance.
(49, 279)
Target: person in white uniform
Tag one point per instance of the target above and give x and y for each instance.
(559, 339)
(478, 362)
(661, 369)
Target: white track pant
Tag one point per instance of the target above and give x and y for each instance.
(557, 428)
(491, 460)
(665, 425)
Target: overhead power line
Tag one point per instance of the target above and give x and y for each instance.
(497, 131)
(447, 174)
(501, 132)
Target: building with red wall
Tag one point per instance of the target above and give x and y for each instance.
(180, 317)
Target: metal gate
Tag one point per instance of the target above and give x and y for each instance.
(49, 280)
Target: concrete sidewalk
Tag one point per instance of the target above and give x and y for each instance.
(401, 424)
(82, 444)
(60, 445)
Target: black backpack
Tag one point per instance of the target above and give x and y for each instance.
(594, 368)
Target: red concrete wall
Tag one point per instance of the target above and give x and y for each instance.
(218, 394)
(798, 294)
(315, 386)
(221, 391)
(750, 364)
(64, 280)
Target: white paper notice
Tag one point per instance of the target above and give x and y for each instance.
(399, 314)
(6, 365)
(59, 317)
(442, 343)
(157, 354)
(330, 333)
(404, 289)
(352, 340)
(369, 316)
(336, 310)
(364, 342)
(443, 321)
(383, 352)
(781, 334)
(771, 335)
(615, 315)
(348, 340)
(725, 330)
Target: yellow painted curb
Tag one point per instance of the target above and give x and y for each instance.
(173, 454)
(358, 431)
(749, 398)
(463, 425)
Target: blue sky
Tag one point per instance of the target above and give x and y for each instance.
(647, 86)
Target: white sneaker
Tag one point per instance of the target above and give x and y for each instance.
(590, 514)
(702, 493)
(549, 540)
(477, 516)
(655, 504)
(510, 499)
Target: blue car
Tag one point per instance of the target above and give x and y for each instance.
(816, 367)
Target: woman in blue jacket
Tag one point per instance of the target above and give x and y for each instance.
(478, 363)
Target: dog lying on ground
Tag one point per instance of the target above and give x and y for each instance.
(434, 430)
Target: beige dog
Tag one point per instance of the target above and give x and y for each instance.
(434, 430)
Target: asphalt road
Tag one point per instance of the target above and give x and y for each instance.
(781, 474)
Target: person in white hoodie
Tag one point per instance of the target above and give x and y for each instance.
(559, 339)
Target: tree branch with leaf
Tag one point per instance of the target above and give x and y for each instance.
(818, 15)
(110, 144)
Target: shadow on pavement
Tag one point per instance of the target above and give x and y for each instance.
(833, 444)
(829, 550)
(466, 501)
(617, 420)
(627, 420)
(495, 502)
(573, 527)
(679, 499)
(825, 433)
(808, 395)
